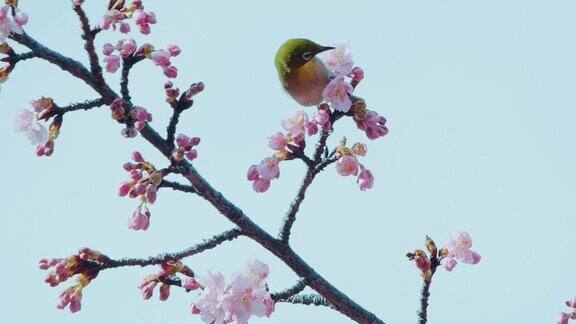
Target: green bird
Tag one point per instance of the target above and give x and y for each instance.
(302, 74)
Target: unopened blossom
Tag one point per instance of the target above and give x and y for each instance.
(140, 219)
(365, 179)
(112, 63)
(564, 318)
(108, 49)
(147, 286)
(296, 124)
(373, 124)
(174, 50)
(339, 60)
(347, 165)
(71, 296)
(144, 20)
(277, 141)
(190, 283)
(357, 74)
(141, 116)
(337, 94)
(161, 57)
(170, 72)
(194, 89)
(185, 148)
(261, 185)
(126, 47)
(268, 168)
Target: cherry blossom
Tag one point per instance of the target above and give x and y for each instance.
(458, 248)
(9, 25)
(339, 60)
(337, 94)
(185, 148)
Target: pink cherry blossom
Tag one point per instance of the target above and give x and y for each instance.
(571, 303)
(337, 94)
(161, 57)
(257, 271)
(448, 263)
(244, 300)
(296, 124)
(170, 72)
(144, 20)
(277, 141)
(25, 122)
(9, 25)
(112, 63)
(357, 74)
(339, 60)
(190, 283)
(71, 296)
(147, 286)
(252, 174)
(458, 248)
(268, 168)
(373, 124)
(108, 49)
(164, 292)
(111, 18)
(365, 179)
(347, 165)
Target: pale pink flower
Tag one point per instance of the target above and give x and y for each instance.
(190, 283)
(571, 303)
(373, 124)
(112, 63)
(321, 117)
(174, 50)
(459, 249)
(144, 20)
(339, 60)
(347, 165)
(25, 122)
(20, 18)
(311, 129)
(209, 303)
(277, 141)
(261, 185)
(296, 124)
(257, 271)
(140, 220)
(461, 240)
(244, 300)
(9, 25)
(365, 179)
(337, 94)
(111, 18)
(268, 168)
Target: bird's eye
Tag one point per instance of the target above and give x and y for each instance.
(307, 56)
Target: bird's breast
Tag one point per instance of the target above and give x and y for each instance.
(307, 83)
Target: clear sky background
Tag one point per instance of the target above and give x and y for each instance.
(480, 102)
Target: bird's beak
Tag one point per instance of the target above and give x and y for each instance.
(326, 48)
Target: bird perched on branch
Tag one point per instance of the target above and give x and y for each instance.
(302, 74)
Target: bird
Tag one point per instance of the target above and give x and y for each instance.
(301, 73)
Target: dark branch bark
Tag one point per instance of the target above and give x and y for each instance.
(310, 299)
(425, 292)
(283, 295)
(177, 186)
(87, 35)
(198, 248)
(86, 105)
(18, 57)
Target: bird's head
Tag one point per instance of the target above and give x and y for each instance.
(296, 52)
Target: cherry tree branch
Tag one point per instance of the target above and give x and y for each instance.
(308, 299)
(177, 186)
(85, 105)
(335, 297)
(285, 294)
(425, 292)
(87, 35)
(159, 259)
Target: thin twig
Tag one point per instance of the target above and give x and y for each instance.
(177, 186)
(284, 294)
(85, 105)
(87, 35)
(18, 57)
(198, 248)
(309, 299)
(425, 292)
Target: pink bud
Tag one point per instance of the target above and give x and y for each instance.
(112, 63)
(365, 180)
(311, 129)
(161, 57)
(190, 283)
(252, 173)
(448, 263)
(137, 157)
(170, 72)
(151, 194)
(195, 310)
(124, 188)
(108, 49)
(191, 155)
(174, 50)
(277, 141)
(261, 185)
(21, 18)
(124, 28)
(164, 292)
(268, 168)
(195, 141)
(347, 165)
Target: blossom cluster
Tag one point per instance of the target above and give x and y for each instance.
(118, 13)
(287, 145)
(143, 185)
(236, 300)
(82, 264)
(27, 123)
(166, 278)
(458, 248)
(127, 47)
(348, 164)
(11, 24)
(185, 148)
(564, 318)
(138, 116)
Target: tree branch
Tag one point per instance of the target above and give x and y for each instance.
(87, 35)
(339, 300)
(425, 292)
(310, 299)
(18, 57)
(177, 186)
(159, 259)
(298, 287)
(85, 105)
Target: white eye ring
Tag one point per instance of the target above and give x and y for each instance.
(307, 56)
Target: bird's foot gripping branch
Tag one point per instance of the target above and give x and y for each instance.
(327, 83)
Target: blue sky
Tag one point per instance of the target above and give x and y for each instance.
(480, 102)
